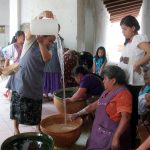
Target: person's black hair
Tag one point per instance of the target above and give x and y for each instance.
(17, 34)
(115, 72)
(104, 55)
(80, 70)
(86, 59)
(130, 21)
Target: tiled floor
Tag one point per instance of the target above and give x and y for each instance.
(48, 109)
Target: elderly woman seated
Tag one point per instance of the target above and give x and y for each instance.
(144, 111)
(146, 144)
(144, 101)
(110, 128)
(144, 98)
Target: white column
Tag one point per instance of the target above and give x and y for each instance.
(81, 25)
(145, 18)
(14, 22)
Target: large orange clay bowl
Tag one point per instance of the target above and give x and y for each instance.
(63, 137)
(70, 107)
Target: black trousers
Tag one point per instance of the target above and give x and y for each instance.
(134, 117)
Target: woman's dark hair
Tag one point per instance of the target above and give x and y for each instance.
(17, 34)
(86, 59)
(115, 72)
(130, 21)
(104, 51)
(80, 70)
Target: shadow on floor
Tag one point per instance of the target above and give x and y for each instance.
(74, 147)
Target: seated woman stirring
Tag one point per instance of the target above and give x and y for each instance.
(110, 128)
(89, 84)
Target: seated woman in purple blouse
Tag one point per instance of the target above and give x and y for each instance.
(89, 84)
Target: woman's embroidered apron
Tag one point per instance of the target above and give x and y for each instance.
(104, 128)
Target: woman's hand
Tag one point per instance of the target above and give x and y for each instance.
(122, 127)
(46, 14)
(147, 79)
(40, 38)
(115, 143)
(42, 41)
(73, 116)
(45, 40)
(137, 68)
(68, 100)
(147, 98)
(101, 71)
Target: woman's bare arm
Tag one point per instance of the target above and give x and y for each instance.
(146, 47)
(145, 145)
(123, 125)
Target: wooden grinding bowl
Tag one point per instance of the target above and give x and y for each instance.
(65, 138)
(71, 107)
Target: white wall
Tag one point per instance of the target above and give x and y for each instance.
(14, 6)
(102, 24)
(83, 22)
(4, 20)
(65, 11)
(81, 25)
(93, 21)
(4, 15)
(89, 26)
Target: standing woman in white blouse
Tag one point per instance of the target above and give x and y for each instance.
(135, 54)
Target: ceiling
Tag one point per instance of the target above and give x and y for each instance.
(121, 8)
